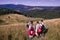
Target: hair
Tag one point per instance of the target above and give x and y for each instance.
(37, 22)
(27, 22)
(41, 20)
(31, 22)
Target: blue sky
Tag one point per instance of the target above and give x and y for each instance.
(32, 2)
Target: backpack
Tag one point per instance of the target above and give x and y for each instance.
(39, 30)
(31, 32)
(43, 27)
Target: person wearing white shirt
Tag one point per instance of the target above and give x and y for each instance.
(37, 26)
(42, 27)
(31, 31)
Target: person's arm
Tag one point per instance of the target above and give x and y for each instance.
(36, 30)
(36, 27)
(29, 27)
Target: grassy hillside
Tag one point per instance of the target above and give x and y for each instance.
(15, 18)
(17, 31)
(12, 18)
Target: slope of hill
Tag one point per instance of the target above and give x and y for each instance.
(53, 30)
(12, 18)
(15, 31)
(15, 18)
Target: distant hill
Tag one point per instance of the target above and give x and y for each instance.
(4, 11)
(22, 8)
(47, 14)
(19, 8)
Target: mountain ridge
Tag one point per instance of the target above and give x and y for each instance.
(22, 8)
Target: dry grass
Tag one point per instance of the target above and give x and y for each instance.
(16, 30)
(15, 18)
(53, 26)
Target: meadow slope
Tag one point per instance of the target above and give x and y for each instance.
(16, 30)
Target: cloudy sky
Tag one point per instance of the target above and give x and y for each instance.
(32, 2)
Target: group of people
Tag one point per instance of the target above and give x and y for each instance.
(39, 28)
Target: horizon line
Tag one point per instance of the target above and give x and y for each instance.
(30, 5)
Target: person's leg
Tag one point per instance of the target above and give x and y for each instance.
(42, 33)
(36, 34)
(39, 34)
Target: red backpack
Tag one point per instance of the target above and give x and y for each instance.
(32, 32)
(39, 30)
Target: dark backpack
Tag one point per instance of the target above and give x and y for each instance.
(43, 27)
